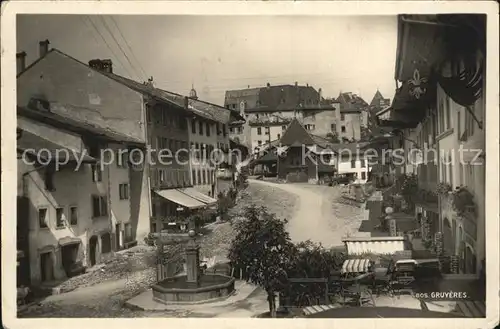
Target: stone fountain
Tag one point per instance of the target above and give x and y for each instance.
(194, 286)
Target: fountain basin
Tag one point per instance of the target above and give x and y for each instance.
(178, 290)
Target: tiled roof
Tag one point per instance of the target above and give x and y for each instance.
(32, 143)
(79, 127)
(344, 148)
(296, 134)
(351, 103)
(203, 109)
(376, 99)
(288, 107)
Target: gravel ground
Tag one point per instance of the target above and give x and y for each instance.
(103, 292)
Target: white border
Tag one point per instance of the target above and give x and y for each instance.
(9, 170)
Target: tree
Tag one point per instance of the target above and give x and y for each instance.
(263, 248)
(311, 260)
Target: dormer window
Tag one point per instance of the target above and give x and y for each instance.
(39, 104)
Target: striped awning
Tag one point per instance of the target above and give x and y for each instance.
(181, 199)
(356, 266)
(192, 192)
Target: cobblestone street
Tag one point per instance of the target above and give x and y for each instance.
(102, 292)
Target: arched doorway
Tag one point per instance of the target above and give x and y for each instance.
(93, 250)
(448, 240)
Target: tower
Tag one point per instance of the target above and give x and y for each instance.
(192, 93)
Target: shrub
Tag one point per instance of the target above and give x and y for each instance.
(149, 240)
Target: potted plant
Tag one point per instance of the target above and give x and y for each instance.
(443, 188)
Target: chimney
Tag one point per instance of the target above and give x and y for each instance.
(320, 92)
(21, 61)
(44, 48)
(186, 102)
(103, 65)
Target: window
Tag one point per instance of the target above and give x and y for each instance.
(59, 217)
(96, 173)
(443, 172)
(279, 136)
(266, 129)
(283, 128)
(353, 163)
(259, 131)
(200, 126)
(342, 117)
(450, 168)
(198, 177)
(217, 127)
(259, 143)
(149, 115)
(204, 177)
(73, 215)
(42, 217)
(448, 112)
(123, 189)
(363, 175)
(122, 158)
(362, 164)
(153, 227)
(193, 126)
(99, 206)
(224, 130)
(332, 127)
(183, 123)
(208, 129)
(441, 117)
(342, 129)
(193, 174)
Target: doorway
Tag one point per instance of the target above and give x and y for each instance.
(46, 266)
(93, 250)
(69, 256)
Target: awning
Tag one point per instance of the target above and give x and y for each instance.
(356, 266)
(68, 240)
(181, 199)
(193, 193)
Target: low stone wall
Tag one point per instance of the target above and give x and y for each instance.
(194, 295)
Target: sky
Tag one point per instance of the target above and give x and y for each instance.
(218, 53)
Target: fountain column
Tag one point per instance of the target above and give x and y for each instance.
(192, 256)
